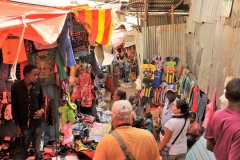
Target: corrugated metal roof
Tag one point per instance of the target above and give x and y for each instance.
(165, 20)
(199, 151)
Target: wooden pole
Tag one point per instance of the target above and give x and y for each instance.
(172, 10)
(146, 12)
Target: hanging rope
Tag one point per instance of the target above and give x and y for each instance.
(14, 66)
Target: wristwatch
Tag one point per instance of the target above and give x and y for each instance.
(42, 111)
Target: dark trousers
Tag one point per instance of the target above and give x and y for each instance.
(126, 76)
(122, 72)
(33, 134)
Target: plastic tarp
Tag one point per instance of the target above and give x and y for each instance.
(43, 24)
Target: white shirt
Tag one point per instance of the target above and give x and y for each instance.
(180, 145)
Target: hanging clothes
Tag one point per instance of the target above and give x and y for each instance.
(49, 114)
(170, 63)
(202, 102)
(65, 46)
(211, 107)
(79, 39)
(83, 79)
(29, 47)
(9, 50)
(148, 71)
(158, 62)
(94, 63)
(45, 61)
(170, 74)
(194, 107)
(86, 95)
(157, 98)
(157, 79)
(146, 94)
(59, 62)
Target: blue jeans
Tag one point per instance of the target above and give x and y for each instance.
(34, 135)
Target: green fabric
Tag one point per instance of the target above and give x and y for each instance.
(171, 63)
(67, 115)
(59, 62)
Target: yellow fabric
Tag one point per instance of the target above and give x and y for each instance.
(139, 142)
(101, 19)
(9, 50)
(151, 66)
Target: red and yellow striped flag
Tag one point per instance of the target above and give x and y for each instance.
(99, 22)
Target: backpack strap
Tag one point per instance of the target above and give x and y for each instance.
(122, 145)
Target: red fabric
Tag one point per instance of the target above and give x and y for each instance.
(86, 95)
(109, 84)
(210, 109)
(84, 78)
(195, 99)
(76, 94)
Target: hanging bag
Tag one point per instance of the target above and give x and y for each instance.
(165, 151)
(128, 155)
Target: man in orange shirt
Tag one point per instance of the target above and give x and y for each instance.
(139, 142)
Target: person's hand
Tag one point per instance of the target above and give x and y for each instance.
(38, 114)
(18, 131)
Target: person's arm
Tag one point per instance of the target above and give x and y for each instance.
(40, 112)
(166, 139)
(210, 145)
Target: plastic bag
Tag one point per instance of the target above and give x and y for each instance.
(17, 151)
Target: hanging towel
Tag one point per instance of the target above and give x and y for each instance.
(210, 109)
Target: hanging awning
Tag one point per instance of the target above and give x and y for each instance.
(44, 24)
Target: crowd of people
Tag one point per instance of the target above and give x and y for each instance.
(179, 129)
(132, 136)
(124, 65)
